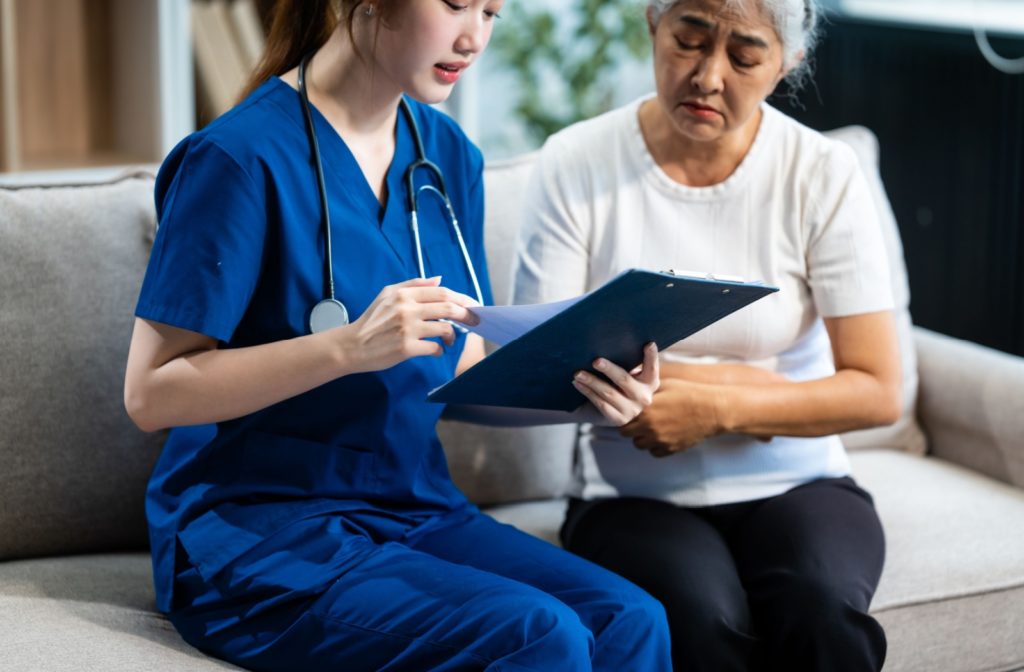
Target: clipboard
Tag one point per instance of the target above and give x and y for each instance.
(614, 321)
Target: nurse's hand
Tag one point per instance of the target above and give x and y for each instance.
(622, 395)
(398, 323)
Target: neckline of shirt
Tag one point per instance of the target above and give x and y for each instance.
(660, 179)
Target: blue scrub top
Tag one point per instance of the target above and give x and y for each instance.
(239, 257)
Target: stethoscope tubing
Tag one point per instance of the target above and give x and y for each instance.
(330, 312)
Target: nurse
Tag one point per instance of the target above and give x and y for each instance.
(301, 513)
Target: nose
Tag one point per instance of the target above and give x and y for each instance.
(708, 75)
(474, 36)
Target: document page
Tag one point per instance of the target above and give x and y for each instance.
(501, 324)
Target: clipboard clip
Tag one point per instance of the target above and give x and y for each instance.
(706, 276)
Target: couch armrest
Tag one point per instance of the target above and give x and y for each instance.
(971, 405)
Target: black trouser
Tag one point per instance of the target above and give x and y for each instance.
(782, 583)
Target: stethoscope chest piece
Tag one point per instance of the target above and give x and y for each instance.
(328, 314)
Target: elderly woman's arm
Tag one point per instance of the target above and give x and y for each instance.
(864, 392)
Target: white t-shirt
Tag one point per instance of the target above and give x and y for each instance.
(796, 214)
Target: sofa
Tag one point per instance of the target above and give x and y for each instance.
(75, 580)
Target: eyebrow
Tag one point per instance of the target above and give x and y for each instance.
(704, 24)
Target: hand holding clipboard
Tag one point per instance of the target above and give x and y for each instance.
(535, 370)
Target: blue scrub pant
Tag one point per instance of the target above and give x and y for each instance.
(462, 592)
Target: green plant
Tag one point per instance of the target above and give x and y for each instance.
(605, 35)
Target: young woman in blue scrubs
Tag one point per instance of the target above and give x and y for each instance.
(301, 514)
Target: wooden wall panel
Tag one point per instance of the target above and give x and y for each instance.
(53, 93)
(9, 146)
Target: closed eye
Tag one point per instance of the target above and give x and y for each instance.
(744, 64)
(456, 7)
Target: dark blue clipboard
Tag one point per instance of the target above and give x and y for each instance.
(614, 321)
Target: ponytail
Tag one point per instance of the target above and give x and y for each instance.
(298, 27)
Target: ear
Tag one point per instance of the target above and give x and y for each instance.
(786, 69)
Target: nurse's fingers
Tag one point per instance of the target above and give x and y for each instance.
(446, 311)
(442, 330)
(424, 290)
(416, 282)
(458, 304)
(438, 294)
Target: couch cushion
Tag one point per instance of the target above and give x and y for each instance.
(74, 466)
(972, 402)
(541, 519)
(952, 592)
(89, 613)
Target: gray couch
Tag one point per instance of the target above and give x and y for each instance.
(75, 584)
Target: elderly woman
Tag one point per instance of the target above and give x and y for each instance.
(730, 498)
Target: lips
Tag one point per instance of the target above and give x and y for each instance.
(449, 73)
(700, 111)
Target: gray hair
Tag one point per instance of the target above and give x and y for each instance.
(795, 22)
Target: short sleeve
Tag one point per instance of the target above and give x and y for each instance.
(847, 264)
(552, 255)
(206, 258)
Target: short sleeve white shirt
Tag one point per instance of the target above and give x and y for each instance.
(796, 214)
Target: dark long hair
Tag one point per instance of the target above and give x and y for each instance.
(299, 27)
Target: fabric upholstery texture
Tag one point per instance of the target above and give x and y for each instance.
(972, 400)
(91, 612)
(952, 591)
(74, 466)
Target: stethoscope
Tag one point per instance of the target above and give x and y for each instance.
(330, 312)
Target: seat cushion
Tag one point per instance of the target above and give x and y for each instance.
(90, 612)
(952, 592)
(541, 519)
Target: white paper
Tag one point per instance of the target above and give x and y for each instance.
(501, 324)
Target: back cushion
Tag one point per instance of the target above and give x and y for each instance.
(906, 433)
(73, 468)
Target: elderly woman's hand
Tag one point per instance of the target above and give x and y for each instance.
(626, 395)
(682, 415)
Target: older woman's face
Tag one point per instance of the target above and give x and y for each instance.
(714, 67)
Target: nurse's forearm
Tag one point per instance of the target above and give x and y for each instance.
(213, 385)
